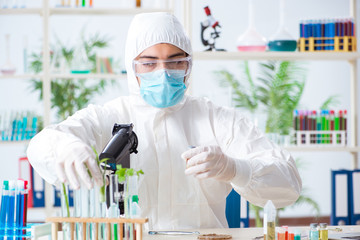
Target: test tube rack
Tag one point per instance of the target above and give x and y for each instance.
(327, 44)
(320, 138)
(56, 221)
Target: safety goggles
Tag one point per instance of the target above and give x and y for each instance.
(142, 67)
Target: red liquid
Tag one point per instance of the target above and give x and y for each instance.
(251, 48)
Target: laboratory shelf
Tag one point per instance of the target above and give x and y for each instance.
(22, 76)
(306, 56)
(323, 149)
(89, 76)
(20, 11)
(7, 143)
(103, 11)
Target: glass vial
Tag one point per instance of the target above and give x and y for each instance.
(314, 232)
(323, 231)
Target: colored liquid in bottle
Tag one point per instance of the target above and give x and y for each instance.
(282, 45)
(270, 235)
(251, 48)
(324, 234)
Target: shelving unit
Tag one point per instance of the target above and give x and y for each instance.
(21, 11)
(293, 56)
(350, 57)
(89, 76)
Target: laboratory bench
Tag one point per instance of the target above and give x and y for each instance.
(236, 233)
(246, 233)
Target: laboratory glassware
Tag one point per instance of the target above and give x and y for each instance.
(282, 40)
(269, 220)
(8, 68)
(80, 63)
(251, 40)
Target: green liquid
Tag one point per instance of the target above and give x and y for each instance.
(282, 45)
(80, 71)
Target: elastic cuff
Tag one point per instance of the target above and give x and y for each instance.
(243, 173)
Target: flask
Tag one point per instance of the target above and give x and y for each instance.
(8, 68)
(80, 63)
(282, 40)
(251, 40)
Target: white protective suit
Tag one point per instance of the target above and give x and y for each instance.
(168, 197)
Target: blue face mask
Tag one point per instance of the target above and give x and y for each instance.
(163, 88)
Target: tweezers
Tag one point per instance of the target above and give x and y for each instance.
(172, 233)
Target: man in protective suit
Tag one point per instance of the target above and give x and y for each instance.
(181, 188)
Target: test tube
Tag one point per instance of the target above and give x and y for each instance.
(77, 213)
(85, 206)
(19, 206)
(11, 209)
(113, 210)
(4, 207)
(65, 210)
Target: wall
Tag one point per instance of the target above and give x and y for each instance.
(324, 78)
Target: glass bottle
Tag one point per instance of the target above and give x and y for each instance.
(8, 68)
(323, 231)
(251, 40)
(314, 232)
(80, 63)
(282, 40)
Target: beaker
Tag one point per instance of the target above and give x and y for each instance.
(251, 40)
(282, 40)
(8, 68)
(80, 63)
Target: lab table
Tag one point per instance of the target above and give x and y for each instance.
(243, 233)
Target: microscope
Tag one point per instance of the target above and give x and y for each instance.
(214, 24)
(123, 142)
(117, 151)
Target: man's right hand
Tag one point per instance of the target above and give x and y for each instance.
(78, 160)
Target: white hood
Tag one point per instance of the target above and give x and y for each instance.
(146, 30)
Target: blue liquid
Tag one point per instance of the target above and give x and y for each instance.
(4, 206)
(10, 214)
(19, 212)
(282, 45)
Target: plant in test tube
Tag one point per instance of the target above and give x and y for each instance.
(102, 188)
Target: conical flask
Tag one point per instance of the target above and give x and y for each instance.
(251, 40)
(282, 40)
(80, 63)
(8, 68)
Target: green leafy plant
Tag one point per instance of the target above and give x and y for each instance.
(277, 92)
(122, 173)
(70, 95)
(102, 188)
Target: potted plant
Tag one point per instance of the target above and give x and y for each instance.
(70, 95)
